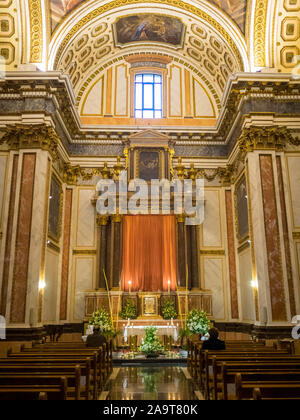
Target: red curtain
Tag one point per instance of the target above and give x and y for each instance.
(149, 253)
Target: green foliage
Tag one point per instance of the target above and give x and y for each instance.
(168, 309)
(128, 310)
(198, 322)
(151, 343)
(102, 318)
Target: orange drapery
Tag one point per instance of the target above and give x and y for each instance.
(149, 253)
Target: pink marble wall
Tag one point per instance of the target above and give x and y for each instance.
(65, 256)
(20, 274)
(272, 239)
(7, 255)
(288, 260)
(231, 256)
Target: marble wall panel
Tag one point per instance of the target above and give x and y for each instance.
(294, 177)
(84, 273)
(213, 273)
(274, 258)
(231, 255)
(9, 233)
(20, 273)
(66, 254)
(211, 228)
(85, 218)
(51, 289)
(247, 296)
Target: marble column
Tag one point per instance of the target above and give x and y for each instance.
(29, 238)
(65, 255)
(103, 230)
(194, 283)
(117, 250)
(231, 255)
(267, 245)
(181, 252)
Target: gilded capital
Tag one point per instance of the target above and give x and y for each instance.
(32, 137)
(180, 218)
(102, 220)
(226, 175)
(180, 169)
(265, 138)
(71, 172)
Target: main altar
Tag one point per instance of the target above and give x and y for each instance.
(152, 257)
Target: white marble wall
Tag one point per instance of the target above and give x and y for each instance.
(211, 231)
(85, 237)
(94, 101)
(294, 180)
(175, 91)
(202, 104)
(213, 274)
(121, 89)
(51, 292)
(246, 291)
(84, 268)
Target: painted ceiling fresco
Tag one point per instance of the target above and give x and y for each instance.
(236, 9)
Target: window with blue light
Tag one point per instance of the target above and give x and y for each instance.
(148, 96)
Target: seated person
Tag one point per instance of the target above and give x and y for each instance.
(96, 339)
(213, 343)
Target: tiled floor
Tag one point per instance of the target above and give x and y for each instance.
(150, 383)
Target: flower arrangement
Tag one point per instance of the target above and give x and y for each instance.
(168, 310)
(129, 310)
(102, 318)
(151, 344)
(198, 322)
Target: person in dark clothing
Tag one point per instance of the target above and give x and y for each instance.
(213, 343)
(96, 339)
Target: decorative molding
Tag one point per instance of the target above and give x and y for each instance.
(212, 252)
(244, 246)
(36, 31)
(260, 21)
(31, 137)
(84, 251)
(52, 246)
(265, 138)
(296, 236)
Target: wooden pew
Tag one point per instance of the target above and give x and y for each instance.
(227, 356)
(88, 367)
(229, 371)
(72, 375)
(101, 372)
(27, 387)
(270, 389)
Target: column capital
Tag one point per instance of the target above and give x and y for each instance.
(102, 220)
(37, 136)
(180, 218)
(116, 218)
(266, 138)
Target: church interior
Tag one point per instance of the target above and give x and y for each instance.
(98, 98)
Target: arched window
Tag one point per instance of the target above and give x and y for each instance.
(148, 95)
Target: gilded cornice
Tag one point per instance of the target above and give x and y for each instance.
(175, 3)
(32, 137)
(260, 19)
(36, 31)
(265, 138)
